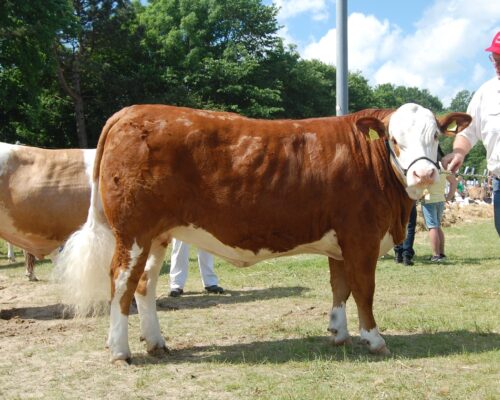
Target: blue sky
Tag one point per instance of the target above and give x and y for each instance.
(431, 44)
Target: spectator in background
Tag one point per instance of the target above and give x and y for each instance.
(404, 253)
(461, 186)
(432, 210)
(484, 108)
(179, 267)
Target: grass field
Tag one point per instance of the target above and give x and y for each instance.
(266, 337)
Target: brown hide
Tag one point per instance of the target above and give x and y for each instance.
(46, 195)
(253, 184)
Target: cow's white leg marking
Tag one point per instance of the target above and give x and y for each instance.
(338, 325)
(375, 341)
(10, 252)
(118, 327)
(146, 305)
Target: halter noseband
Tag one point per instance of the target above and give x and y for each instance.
(404, 171)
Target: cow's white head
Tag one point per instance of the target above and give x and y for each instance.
(413, 139)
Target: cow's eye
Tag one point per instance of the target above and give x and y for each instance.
(394, 141)
(436, 136)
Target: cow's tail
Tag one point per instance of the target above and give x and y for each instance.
(83, 266)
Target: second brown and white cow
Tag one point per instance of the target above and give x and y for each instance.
(44, 197)
(247, 190)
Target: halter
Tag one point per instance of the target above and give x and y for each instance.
(402, 172)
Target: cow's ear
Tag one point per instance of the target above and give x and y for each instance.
(371, 127)
(452, 123)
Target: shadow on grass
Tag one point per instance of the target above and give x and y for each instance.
(61, 311)
(42, 313)
(201, 300)
(318, 348)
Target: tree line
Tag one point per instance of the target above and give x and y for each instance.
(68, 65)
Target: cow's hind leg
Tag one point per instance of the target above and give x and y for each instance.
(11, 255)
(341, 292)
(30, 266)
(360, 269)
(145, 297)
(127, 267)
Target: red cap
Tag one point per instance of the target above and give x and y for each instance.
(495, 45)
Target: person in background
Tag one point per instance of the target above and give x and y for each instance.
(432, 209)
(179, 267)
(404, 253)
(461, 186)
(484, 108)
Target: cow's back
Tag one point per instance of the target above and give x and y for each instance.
(253, 184)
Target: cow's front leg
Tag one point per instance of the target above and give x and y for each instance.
(145, 297)
(361, 276)
(341, 292)
(126, 269)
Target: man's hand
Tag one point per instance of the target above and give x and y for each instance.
(453, 161)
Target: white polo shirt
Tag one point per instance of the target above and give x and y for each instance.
(484, 108)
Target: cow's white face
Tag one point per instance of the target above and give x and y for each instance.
(414, 133)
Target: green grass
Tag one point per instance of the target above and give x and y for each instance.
(266, 337)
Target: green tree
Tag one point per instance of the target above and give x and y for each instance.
(308, 88)
(27, 33)
(391, 96)
(460, 101)
(215, 53)
(361, 95)
(98, 58)
(477, 156)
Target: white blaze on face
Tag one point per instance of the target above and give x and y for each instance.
(415, 131)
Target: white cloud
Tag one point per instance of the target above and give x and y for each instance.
(324, 49)
(291, 8)
(369, 42)
(446, 45)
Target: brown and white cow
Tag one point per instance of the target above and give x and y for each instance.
(44, 197)
(247, 190)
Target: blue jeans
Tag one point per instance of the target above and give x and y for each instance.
(406, 248)
(433, 213)
(496, 203)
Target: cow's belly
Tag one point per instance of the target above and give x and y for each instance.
(386, 244)
(327, 245)
(38, 245)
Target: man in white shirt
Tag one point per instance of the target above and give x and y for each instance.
(484, 108)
